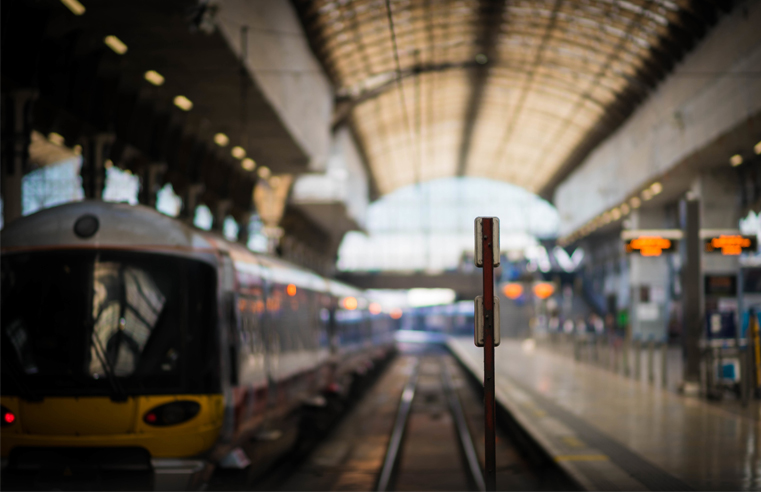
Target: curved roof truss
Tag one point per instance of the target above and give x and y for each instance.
(515, 90)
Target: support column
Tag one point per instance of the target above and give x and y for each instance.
(150, 183)
(270, 197)
(713, 203)
(95, 152)
(689, 211)
(243, 232)
(720, 208)
(220, 211)
(649, 283)
(190, 201)
(15, 154)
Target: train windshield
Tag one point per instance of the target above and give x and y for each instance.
(105, 322)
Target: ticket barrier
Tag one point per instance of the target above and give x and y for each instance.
(722, 348)
(732, 353)
(751, 329)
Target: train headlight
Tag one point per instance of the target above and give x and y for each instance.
(172, 413)
(8, 417)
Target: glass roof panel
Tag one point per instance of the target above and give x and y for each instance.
(512, 90)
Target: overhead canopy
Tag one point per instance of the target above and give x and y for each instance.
(514, 90)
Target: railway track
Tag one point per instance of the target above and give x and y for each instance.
(401, 469)
(418, 425)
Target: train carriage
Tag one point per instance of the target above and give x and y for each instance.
(131, 340)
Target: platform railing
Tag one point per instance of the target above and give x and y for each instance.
(649, 361)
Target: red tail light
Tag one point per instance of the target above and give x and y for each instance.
(8, 417)
(172, 413)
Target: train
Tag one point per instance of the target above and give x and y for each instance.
(134, 341)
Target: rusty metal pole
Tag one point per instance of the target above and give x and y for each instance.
(490, 476)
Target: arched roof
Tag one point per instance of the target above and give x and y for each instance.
(515, 90)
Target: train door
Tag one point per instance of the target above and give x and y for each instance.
(273, 351)
(228, 333)
(251, 353)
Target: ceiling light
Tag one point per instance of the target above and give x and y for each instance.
(115, 44)
(624, 208)
(647, 194)
(238, 152)
(656, 188)
(154, 77)
(264, 172)
(75, 7)
(615, 213)
(635, 202)
(606, 217)
(757, 148)
(248, 164)
(221, 139)
(183, 103)
(56, 138)
(736, 160)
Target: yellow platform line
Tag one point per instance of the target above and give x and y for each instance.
(573, 442)
(582, 457)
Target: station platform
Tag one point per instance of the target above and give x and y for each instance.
(609, 432)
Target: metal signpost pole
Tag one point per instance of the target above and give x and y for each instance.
(487, 256)
(489, 357)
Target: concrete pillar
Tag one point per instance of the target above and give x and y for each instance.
(95, 152)
(16, 151)
(720, 208)
(220, 211)
(150, 183)
(190, 199)
(714, 202)
(649, 282)
(689, 211)
(243, 232)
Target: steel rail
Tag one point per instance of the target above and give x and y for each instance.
(397, 434)
(462, 429)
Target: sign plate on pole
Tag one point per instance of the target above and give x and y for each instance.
(479, 258)
(479, 331)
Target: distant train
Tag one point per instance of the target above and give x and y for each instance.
(133, 337)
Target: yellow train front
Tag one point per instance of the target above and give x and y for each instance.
(132, 342)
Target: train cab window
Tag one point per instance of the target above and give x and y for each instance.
(127, 306)
(72, 322)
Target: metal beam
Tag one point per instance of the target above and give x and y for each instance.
(490, 14)
(467, 285)
(345, 105)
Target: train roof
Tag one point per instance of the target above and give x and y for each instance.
(125, 226)
(340, 289)
(119, 225)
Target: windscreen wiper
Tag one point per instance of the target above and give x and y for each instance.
(118, 392)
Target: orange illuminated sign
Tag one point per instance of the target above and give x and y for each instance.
(512, 290)
(650, 245)
(543, 290)
(395, 313)
(375, 308)
(291, 290)
(730, 245)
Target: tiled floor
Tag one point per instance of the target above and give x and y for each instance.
(641, 429)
